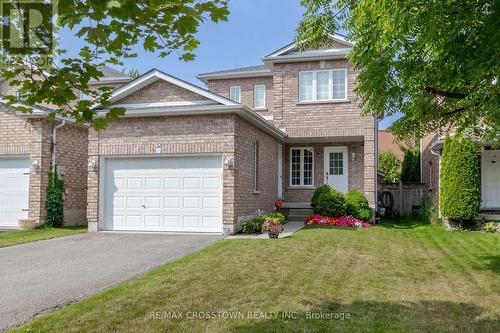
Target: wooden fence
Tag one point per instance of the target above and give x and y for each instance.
(406, 198)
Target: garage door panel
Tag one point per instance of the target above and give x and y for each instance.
(14, 190)
(165, 194)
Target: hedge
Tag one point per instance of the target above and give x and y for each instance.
(410, 169)
(460, 190)
(330, 203)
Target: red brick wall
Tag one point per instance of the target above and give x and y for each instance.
(161, 91)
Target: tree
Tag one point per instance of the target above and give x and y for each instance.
(410, 169)
(111, 30)
(389, 164)
(460, 190)
(435, 61)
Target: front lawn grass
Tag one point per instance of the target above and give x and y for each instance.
(9, 238)
(397, 277)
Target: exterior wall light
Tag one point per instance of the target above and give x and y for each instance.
(228, 163)
(353, 156)
(34, 167)
(92, 165)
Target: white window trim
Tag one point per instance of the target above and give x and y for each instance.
(301, 166)
(239, 93)
(330, 85)
(255, 96)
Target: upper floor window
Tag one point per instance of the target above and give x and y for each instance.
(259, 99)
(84, 96)
(323, 85)
(235, 93)
(21, 96)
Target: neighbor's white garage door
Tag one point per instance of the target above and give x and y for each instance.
(163, 194)
(14, 188)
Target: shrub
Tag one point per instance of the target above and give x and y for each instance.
(357, 205)
(331, 203)
(429, 210)
(54, 206)
(389, 164)
(254, 225)
(460, 192)
(410, 170)
(489, 226)
(320, 190)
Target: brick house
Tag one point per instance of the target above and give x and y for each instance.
(189, 159)
(28, 145)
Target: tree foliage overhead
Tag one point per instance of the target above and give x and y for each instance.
(111, 31)
(437, 62)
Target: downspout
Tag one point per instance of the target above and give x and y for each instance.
(376, 119)
(54, 143)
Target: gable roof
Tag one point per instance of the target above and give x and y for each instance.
(155, 75)
(111, 75)
(242, 72)
(291, 52)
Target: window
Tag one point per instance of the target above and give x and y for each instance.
(259, 96)
(256, 166)
(324, 85)
(21, 96)
(84, 96)
(235, 93)
(336, 163)
(301, 167)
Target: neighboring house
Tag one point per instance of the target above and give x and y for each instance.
(28, 144)
(490, 172)
(388, 142)
(189, 159)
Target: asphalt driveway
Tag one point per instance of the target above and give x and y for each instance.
(42, 276)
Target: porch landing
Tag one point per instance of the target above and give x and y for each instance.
(490, 215)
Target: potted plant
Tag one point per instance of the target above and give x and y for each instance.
(277, 204)
(273, 228)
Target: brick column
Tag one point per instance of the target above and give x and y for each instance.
(93, 182)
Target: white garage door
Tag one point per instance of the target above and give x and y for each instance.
(163, 194)
(14, 187)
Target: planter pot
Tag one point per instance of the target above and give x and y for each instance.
(26, 224)
(273, 233)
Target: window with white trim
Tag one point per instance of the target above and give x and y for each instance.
(256, 165)
(235, 93)
(259, 96)
(301, 167)
(323, 85)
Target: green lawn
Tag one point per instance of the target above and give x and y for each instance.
(9, 238)
(399, 277)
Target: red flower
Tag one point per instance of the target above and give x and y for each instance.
(341, 221)
(278, 203)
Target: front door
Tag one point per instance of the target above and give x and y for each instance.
(336, 172)
(490, 178)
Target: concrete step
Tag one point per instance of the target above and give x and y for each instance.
(299, 214)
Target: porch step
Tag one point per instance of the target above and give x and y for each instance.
(299, 214)
(299, 205)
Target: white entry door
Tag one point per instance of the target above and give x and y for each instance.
(490, 178)
(14, 189)
(163, 194)
(336, 170)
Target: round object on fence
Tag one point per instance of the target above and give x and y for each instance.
(387, 200)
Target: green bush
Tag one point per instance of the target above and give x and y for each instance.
(331, 203)
(54, 206)
(410, 170)
(320, 190)
(358, 206)
(254, 225)
(460, 192)
(429, 210)
(389, 164)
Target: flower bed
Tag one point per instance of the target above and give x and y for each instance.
(342, 221)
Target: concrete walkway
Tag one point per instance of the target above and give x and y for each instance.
(289, 228)
(43, 276)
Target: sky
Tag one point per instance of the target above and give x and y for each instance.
(254, 28)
